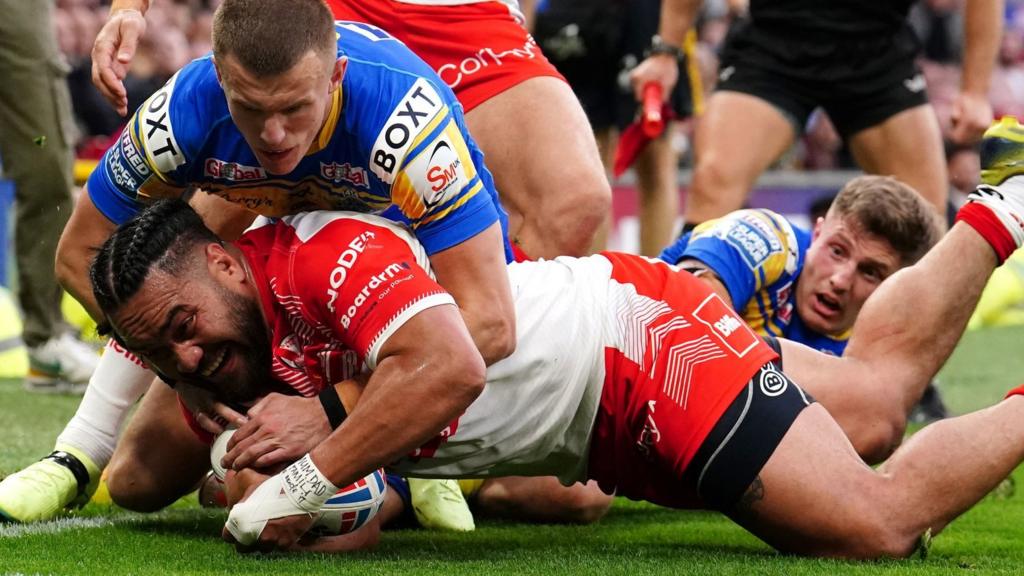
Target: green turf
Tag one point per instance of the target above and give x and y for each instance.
(633, 539)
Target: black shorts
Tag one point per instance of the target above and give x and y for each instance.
(859, 82)
(595, 44)
(746, 436)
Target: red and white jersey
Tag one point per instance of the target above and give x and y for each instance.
(334, 286)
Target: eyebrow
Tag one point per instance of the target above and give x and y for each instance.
(170, 319)
(882, 267)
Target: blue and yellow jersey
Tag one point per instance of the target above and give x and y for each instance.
(395, 143)
(758, 255)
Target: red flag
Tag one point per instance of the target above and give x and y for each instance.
(654, 114)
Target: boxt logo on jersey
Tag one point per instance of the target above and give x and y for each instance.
(410, 117)
(216, 168)
(345, 261)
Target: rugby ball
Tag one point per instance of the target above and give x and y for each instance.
(347, 511)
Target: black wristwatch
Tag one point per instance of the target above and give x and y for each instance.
(659, 46)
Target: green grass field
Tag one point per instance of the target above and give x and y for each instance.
(632, 539)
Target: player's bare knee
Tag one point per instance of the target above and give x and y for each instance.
(877, 536)
(130, 489)
(571, 226)
(716, 182)
(877, 439)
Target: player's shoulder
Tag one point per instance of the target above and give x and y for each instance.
(765, 222)
(329, 245)
(384, 77)
(176, 119)
(327, 227)
(369, 45)
(764, 240)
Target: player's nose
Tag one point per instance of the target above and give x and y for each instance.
(187, 357)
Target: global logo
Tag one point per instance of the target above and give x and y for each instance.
(355, 175)
(233, 171)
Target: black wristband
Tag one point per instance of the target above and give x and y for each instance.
(659, 46)
(74, 465)
(333, 407)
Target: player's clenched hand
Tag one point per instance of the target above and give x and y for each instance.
(660, 68)
(971, 116)
(112, 54)
(279, 429)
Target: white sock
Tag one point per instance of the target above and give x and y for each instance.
(119, 381)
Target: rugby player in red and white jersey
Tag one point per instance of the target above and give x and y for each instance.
(627, 371)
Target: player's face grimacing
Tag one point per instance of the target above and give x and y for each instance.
(280, 116)
(844, 266)
(195, 329)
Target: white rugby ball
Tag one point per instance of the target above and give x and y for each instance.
(347, 511)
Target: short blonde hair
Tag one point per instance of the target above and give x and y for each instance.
(889, 209)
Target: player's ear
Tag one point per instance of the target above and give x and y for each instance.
(222, 264)
(338, 72)
(816, 231)
(216, 68)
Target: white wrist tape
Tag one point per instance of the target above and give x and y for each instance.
(301, 489)
(306, 486)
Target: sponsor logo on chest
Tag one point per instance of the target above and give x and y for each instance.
(233, 171)
(346, 260)
(354, 175)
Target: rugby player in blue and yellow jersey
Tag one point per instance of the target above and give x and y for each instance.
(293, 112)
(809, 285)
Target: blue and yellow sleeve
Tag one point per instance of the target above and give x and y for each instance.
(150, 156)
(747, 249)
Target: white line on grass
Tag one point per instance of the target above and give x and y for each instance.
(58, 526)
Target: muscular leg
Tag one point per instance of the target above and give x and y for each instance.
(540, 149)
(814, 496)
(909, 147)
(737, 138)
(904, 334)
(159, 459)
(542, 499)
